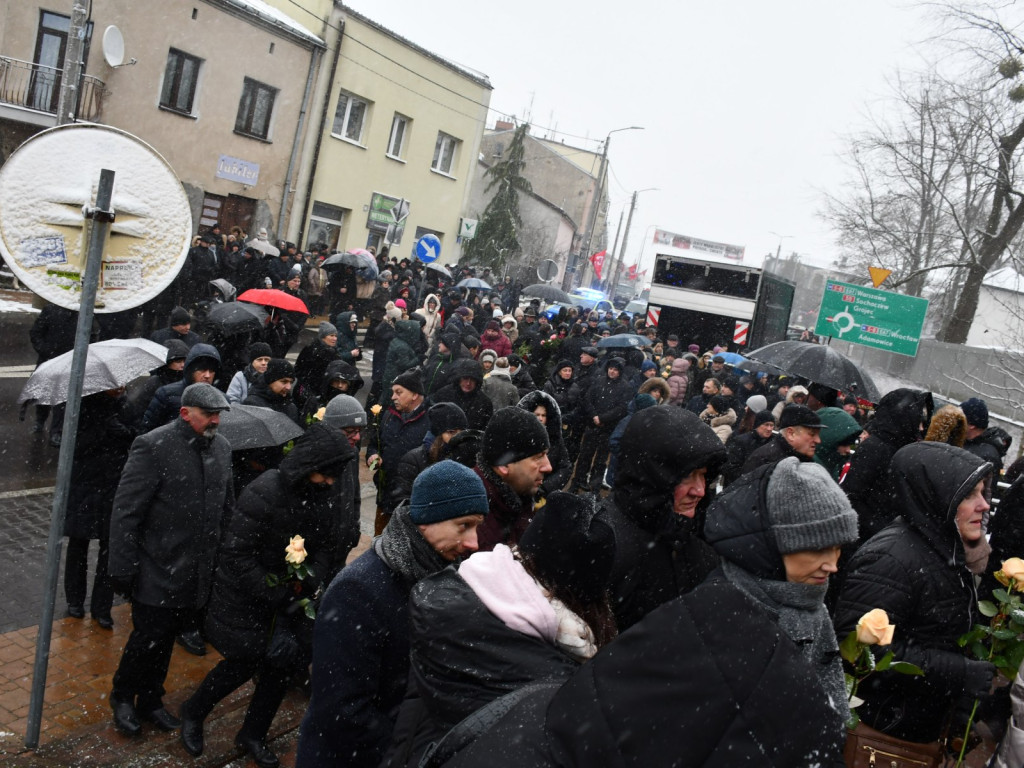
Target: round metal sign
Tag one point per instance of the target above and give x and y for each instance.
(547, 270)
(44, 187)
(428, 248)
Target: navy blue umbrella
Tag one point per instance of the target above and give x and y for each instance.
(623, 341)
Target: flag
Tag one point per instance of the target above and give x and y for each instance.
(631, 275)
(598, 261)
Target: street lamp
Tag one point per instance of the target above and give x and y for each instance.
(599, 191)
(613, 275)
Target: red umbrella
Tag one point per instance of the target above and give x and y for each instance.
(271, 297)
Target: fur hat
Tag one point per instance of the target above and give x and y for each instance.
(446, 490)
(948, 425)
(410, 380)
(490, 354)
(807, 509)
(278, 368)
(393, 313)
(512, 435)
(567, 546)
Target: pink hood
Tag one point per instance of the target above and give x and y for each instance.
(510, 593)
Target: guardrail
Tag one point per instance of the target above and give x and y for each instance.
(37, 87)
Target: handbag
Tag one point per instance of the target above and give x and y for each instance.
(868, 748)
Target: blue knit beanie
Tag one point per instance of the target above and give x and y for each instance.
(446, 490)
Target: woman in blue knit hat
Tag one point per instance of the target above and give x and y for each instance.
(361, 638)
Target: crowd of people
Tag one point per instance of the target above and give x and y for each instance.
(584, 554)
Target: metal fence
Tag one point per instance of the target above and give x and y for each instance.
(37, 87)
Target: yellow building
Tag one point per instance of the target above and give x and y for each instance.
(398, 127)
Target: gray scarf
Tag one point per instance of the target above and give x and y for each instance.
(801, 613)
(404, 550)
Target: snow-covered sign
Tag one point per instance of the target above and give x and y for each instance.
(45, 185)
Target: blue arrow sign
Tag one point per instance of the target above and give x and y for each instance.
(428, 248)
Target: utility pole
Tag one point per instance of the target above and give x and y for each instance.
(613, 276)
(615, 246)
(71, 77)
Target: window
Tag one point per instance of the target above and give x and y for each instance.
(255, 109)
(399, 130)
(180, 79)
(51, 46)
(325, 225)
(444, 153)
(350, 118)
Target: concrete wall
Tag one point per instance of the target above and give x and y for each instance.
(382, 68)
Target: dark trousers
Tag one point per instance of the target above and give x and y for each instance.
(76, 568)
(592, 459)
(147, 654)
(231, 674)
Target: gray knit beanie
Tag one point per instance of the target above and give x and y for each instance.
(326, 329)
(807, 510)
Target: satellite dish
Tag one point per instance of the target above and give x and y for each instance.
(113, 46)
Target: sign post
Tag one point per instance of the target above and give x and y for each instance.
(871, 317)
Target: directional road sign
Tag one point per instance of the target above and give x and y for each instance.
(428, 248)
(873, 318)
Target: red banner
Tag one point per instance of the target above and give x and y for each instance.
(598, 261)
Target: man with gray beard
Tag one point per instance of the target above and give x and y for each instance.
(164, 532)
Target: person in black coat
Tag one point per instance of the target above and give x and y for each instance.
(312, 362)
(104, 438)
(559, 386)
(799, 435)
(437, 371)
(743, 670)
(361, 636)
(740, 446)
(274, 390)
(348, 344)
(601, 409)
(52, 334)
(257, 617)
(179, 327)
(340, 378)
(165, 528)
(545, 407)
(659, 551)
(446, 421)
(915, 570)
(201, 367)
(171, 372)
(900, 419)
(467, 377)
(521, 375)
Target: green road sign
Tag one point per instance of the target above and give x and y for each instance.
(874, 318)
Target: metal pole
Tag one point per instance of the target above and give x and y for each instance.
(67, 102)
(101, 216)
(615, 245)
(625, 244)
(595, 204)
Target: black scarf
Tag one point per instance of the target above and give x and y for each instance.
(404, 550)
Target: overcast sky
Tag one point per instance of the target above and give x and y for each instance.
(745, 104)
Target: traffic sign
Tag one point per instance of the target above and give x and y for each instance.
(872, 318)
(428, 248)
(400, 211)
(878, 275)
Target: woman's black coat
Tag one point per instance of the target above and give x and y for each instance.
(558, 454)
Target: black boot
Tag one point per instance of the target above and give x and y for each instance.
(258, 750)
(125, 718)
(191, 732)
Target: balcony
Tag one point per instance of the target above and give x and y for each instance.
(29, 93)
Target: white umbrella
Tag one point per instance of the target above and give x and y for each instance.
(111, 364)
(264, 247)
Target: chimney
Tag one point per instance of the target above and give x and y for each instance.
(503, 125)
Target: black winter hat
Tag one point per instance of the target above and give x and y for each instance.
(278, 368)
(512, 435)
(176, 350)
(180, 316)
(976, 412)
(763, 417)
(259, 349)
(592, 351)
(568, 547)
(796, 415)
(445, 416)
(410, 380)
(720, 403)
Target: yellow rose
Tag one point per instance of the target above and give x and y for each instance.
(376, 409)
(874, 628)
(295, 552)
(319, 415)
(1012, 569)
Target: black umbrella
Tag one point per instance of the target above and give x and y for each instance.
(234, 317)
(249, 426)
(820, 364)
(547, 292)
(623, 341)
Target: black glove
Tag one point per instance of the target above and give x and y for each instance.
(123, 586)
(978, 678)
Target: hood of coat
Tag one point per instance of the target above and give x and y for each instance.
(344, 320)
(931, 480)
(408, 331)
(339, 369)
(318, 449)
(531, 400)
(425, 309)
(840, 427)
(680, 366)
(948, 425)
(509, 319)
(200, 354)
(899, 416)
(738, 527)
(660, 447)
(466, 368)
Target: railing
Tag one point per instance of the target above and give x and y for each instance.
(37, 87)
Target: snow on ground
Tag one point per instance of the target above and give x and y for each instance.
(13, 305)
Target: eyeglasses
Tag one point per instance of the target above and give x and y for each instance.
(351, 431)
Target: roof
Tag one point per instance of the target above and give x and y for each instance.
(1006, 279)
(271, 15)
(471, 74)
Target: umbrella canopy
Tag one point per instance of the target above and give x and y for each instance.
(263, 247)
(473, 282)
(271, 297)
(227, 290)
(750, 366)
(235, 317)
(111, 364)
(623, 341)
(362, 260)
(440, 268)
(819, 363)
(249, 426)
(547, 292)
